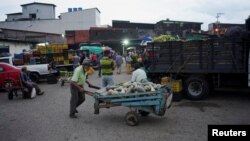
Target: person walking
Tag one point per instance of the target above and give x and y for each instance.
(107, 67)
(76, 60)
(82, 57)
(128, 63)
(99, 64)
(78, 80)
(118, 62)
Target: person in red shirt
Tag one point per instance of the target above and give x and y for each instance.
(94, 57)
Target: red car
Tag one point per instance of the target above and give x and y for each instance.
(10, 77)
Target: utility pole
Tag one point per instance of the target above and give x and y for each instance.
(217, 29)
(218, 16)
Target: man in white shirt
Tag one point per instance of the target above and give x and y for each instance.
(139, 74)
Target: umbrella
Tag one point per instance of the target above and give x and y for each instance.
(145, 40)
(92, 49)
(106, 48)
(129, 48)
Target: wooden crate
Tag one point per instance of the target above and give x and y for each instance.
(176, 85)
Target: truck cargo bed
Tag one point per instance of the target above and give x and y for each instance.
(209, 56)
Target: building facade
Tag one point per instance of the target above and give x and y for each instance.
(141, 29)
(221, 28)
(40, 17)
(13, 46)
(34, 11)
(175, 28)
(14, 41)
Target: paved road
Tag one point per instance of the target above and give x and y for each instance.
(45, 118)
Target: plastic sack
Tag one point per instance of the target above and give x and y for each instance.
(33, 93)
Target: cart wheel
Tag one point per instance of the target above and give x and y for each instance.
(162, 111)
(8, 85)
(62, 83)
(10, 95)
(132, 118)
(143, 113)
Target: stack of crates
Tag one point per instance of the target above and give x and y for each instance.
(176, 86)
(70, 56)
(18, 59)
(64, 51)
(59, 52)
(42, 50)
(26, 58)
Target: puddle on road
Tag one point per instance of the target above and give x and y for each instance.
(200, 105)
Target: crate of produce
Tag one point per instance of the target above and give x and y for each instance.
(43, 51)
(18, 56)
(66, 62)
(176, 85)
(32, 61)
(18, 62)
(65, 46)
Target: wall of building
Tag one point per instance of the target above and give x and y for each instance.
(110, 34)
(129, 25)
(49, 26)
(80, 20)
(220, 28)
(97, 18)
(78, 36)
(15, 47)
(141, 29)
(29, 36)
(14, 17)
(41, 11)
(176, 27)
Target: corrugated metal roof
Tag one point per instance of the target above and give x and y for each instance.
(38, 3)
(170, 21)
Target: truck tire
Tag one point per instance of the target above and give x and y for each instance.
(196, 87)
(34, 77)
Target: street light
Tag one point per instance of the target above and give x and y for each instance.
(124, 43)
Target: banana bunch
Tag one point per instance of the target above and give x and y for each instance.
(163, 38)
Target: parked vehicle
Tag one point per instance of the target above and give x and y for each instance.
(37, 71)
(10, 76)
(202, 65)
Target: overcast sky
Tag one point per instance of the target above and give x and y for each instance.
(148, 11)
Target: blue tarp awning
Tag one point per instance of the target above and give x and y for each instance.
(145, 40)
(92, 49)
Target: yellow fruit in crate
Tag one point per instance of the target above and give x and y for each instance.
(66, 61)
(65, 46)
